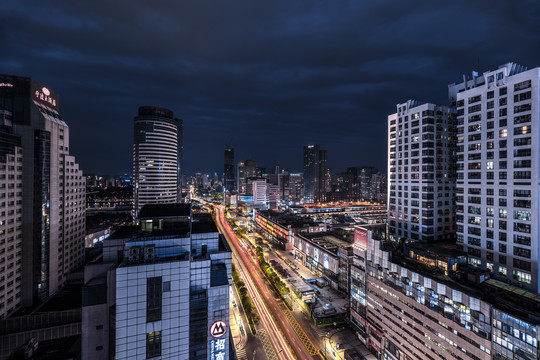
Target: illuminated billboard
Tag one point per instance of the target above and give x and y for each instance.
(360, 237)
(43, 95)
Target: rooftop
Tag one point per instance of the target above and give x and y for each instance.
(509, 298)
(160, 211)
(286, 219)
(203, 223)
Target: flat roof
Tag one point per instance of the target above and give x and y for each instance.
(152, 211)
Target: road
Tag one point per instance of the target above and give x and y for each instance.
(264, 298)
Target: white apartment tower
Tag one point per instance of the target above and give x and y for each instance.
(498, 172)
(44, 205)
(10, 217)
(157, 141)
(421, 151)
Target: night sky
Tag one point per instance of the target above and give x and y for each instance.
(269, 76)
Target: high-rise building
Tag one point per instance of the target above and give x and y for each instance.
(228, 171)
(11, 227)
(247, 170)
(315, 174)
(164, 288)
(43, 214)
(258, 189)
(157, 149)
(497, 186)
(378, 187)
(421, 160)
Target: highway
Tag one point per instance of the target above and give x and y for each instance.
(274, 322)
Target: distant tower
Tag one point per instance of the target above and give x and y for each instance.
(180, 157)
(228, 171)
(157, 151)
(315, 174)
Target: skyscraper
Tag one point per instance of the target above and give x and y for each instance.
(228, 170)
(247, 170)
(315, 174)
(497, 185)
(157, 144)
(44, 209)
(421, 161)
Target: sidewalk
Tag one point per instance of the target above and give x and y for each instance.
(342, 335)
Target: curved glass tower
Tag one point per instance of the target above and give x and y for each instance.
(156, 157)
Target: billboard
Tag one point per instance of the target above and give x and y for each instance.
(360, 237)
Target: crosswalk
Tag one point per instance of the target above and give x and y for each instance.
(299, 331)
(267, 345)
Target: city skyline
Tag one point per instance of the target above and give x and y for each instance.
(281, 75)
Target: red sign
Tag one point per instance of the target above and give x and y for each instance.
(360, 236)
(218, 329)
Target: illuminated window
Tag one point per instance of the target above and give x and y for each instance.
(153, 344)
(503, 133)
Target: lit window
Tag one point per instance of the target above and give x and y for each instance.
(153, 344)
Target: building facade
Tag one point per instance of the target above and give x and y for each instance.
(498, 156)
(228, 171)
(11, 172)
(247, 170)
(168, 294)
(53, 190)
(315, 174)
(421, 166)
(156, 157)
(402, 311)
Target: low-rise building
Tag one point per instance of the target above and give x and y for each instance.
(327, 255)
(404, 307)
(282, 226)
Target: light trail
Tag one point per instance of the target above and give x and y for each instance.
(267, 296)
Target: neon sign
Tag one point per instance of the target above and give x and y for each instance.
(217, 345)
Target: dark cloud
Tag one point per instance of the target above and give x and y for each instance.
(272, 76)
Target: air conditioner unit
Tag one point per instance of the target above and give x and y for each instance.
(133, 254)
(149, 253)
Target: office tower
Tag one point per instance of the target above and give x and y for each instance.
(11, 210)
(361, 182)
(421, 162)
(258, 189)
(164, 287)
(157, 147)
(228, 171)
(247, 170)
(498, 156)
(365, 181)
(273, 196)
(180, 157)
(315, 174)
(378, 187)
(51, 235)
